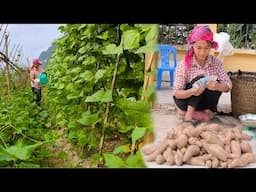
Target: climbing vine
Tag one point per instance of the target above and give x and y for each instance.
(96, 79)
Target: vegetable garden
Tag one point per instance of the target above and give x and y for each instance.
(95, 109)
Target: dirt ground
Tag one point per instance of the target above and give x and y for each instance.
(67, 155)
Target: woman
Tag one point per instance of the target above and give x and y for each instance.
(200, 102)
(35, 71)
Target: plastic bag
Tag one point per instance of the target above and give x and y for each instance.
(225, 47)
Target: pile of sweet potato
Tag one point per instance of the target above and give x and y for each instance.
(207, 144)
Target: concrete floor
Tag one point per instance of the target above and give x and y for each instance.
(165, 117)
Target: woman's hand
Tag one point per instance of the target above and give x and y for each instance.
(213, 85)
(197, 91)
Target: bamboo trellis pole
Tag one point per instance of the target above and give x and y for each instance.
(7, 65)
(14, 55)
(8, 42)
(13, 65)
(11, 52)
(3, 34)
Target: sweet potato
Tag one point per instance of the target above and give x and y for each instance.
(198, 161)
(206, 157)
(202, 126)
(249, 157)
(235, 148)
(215, 162)
(224, 164)
(172, 143)
(170, 158)
(239, 162)
(161, 148)
(149, 149)
(191, 151)
(160, 159)
(188, 129)
(245, 147)
(229, 136)
(166, 153)
(170, 134)
(211, 138)
(178, 158)
(227, 148)
(183, 150)
(208, 163)
(181, 141)
(237, 132)
(233, 156)
(229, 161)
(213, 127)
(196, 132)
(216, 151)
(192, 140)
(199, 143)
(179, 129)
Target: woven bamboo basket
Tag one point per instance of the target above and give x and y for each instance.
(243, 93)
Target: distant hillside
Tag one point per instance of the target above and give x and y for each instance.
(46, 55)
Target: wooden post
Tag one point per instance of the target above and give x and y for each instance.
(150, 65)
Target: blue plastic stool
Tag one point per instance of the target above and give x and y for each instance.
(165, 53)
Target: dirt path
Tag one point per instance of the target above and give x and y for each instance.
(65, 154)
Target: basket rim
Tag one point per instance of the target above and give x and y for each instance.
(241, 73)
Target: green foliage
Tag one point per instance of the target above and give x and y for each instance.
(81, 71)
(137, 133)
(122, 149)
(132, 161)
(21, 151)
(22, 129)
(113, 161)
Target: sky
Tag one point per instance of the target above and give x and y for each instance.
(32, 38)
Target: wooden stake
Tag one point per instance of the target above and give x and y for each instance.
(150, 64)
(7, 65)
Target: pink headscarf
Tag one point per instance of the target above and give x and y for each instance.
(35, 61)
(197, 34)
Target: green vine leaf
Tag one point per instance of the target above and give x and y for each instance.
(131, 39)
(122, 149)
(113, 161)
(149, 91)
(97, 96)
(135, 161)
(88, 118)
(22, 151)
(107, 97)
(99, 74)
(149, 48)
(137, 133)
(112, 49)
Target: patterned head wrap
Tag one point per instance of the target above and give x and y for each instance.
(35, 62)
(197, 34)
